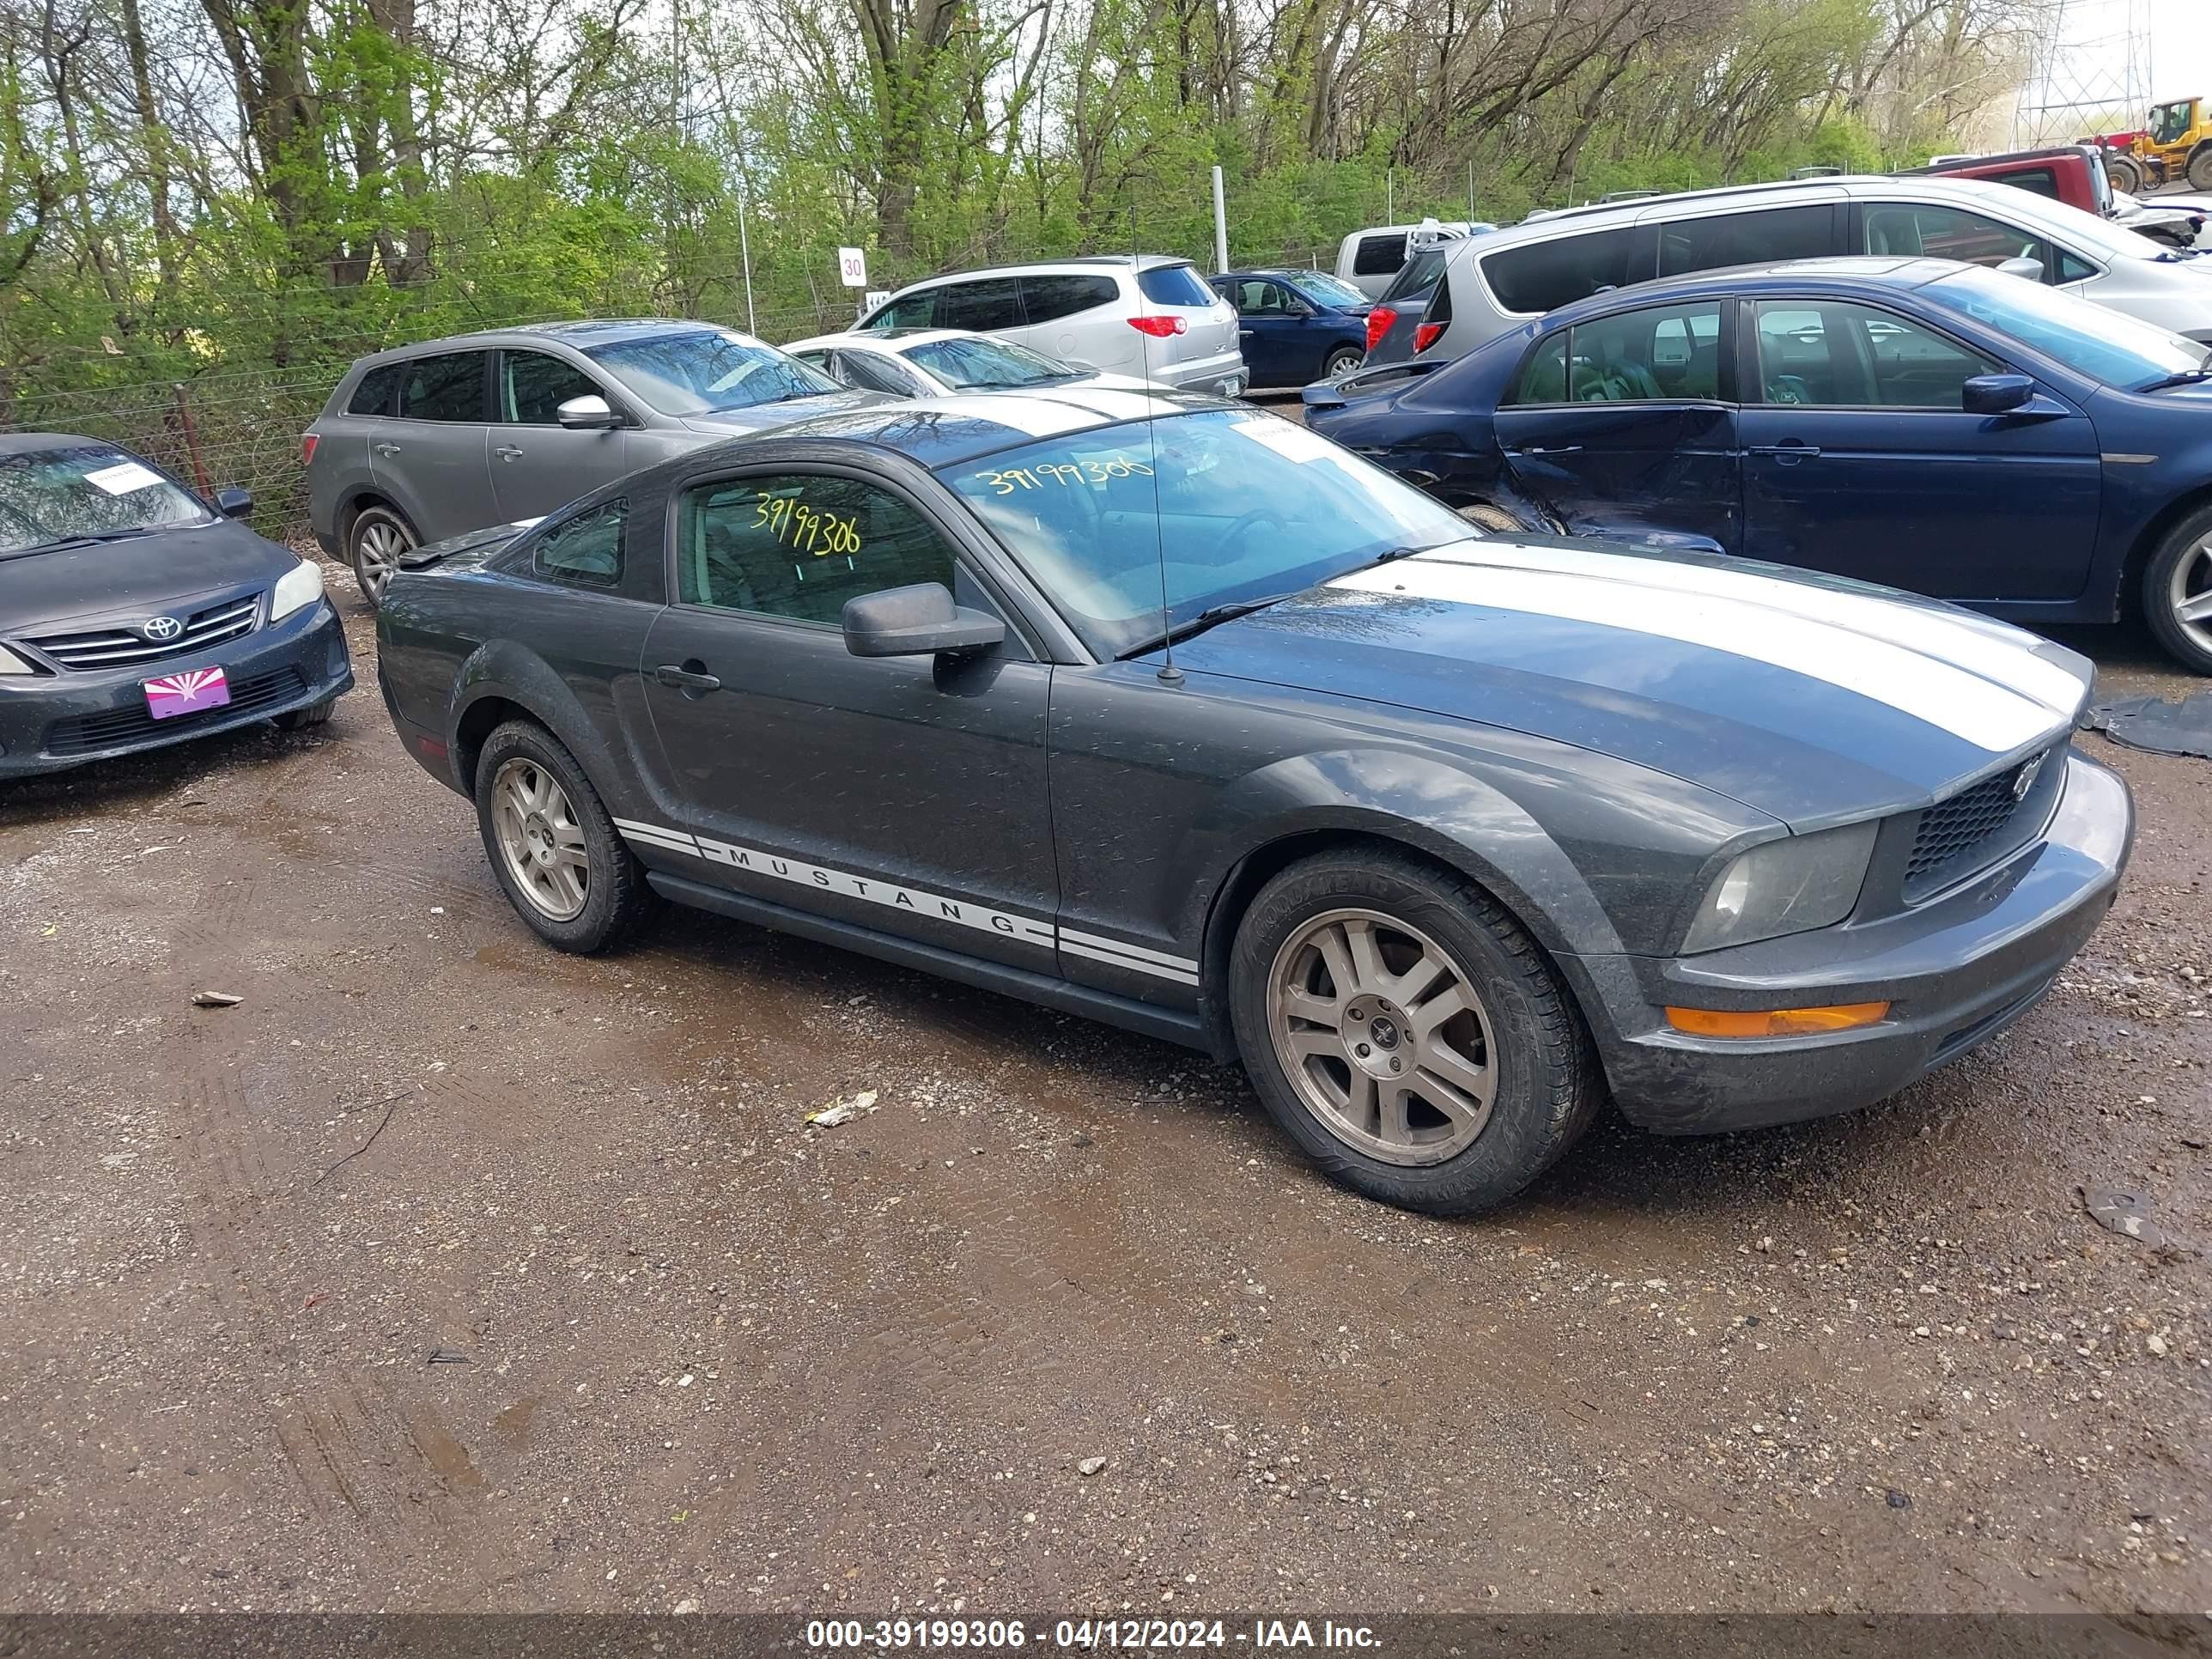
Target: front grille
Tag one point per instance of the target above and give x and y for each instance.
(119, 648)
(85, 734)
(1958, 836)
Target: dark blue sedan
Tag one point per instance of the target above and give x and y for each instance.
(1919, 423)
(1296, 325)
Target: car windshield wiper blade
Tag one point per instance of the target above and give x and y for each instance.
(1212, 616)
(2179, 377)
(83, 539)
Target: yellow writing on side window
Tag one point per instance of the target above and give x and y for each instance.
(805, 529)
(1065, 474)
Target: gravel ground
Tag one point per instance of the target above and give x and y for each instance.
(446, 1271)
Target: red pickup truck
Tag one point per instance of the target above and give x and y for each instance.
(2075, 174)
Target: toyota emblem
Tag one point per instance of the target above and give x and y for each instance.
(159, 629)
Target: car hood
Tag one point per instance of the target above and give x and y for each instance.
(167, 570)
(1813, 699)
(760, 418)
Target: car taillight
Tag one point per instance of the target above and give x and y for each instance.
(1159, 328)
(1426, 335)
(1378, 325)
(307, 443)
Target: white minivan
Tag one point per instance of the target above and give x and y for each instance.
(1142, 314)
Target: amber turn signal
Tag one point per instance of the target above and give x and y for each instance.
(1775, 1022)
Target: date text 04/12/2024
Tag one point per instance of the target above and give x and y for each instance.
(891, 1634)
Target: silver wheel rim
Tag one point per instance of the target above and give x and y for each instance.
(540, 839)
(377, 549)
(1383, 1037)
(2189, 593)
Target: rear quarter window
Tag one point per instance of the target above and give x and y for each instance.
(1174, 285)
(1049, 298)
(1378, 256)
(588, 550)
(374, 394)
(1419, 277)
(1540, 277)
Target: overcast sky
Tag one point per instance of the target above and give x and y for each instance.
(2178, 61)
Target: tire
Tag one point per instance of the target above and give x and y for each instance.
(375, 538)
(300, 720)
(1341, 362)
(2200, 167)
(603, 897)
(2122, 174)
(1517, 1032)
(2179, 576)
(1486, 516)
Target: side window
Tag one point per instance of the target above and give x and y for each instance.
(1854, 357)
(798, 546)
(1743, 239)
(2040, 181)
(374, 394)
(1544, 276)
(1049, 298)
(2071, 267)
(450, 387)
(1948, 233)
(532, 386)
(587, 550)
(1660, 353)
(992, 303)
(1258, 297)
(1543, 378)
(913, 311)
(872, 373)
(1173, 285)
(1378, 256)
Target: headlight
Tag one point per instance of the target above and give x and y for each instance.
(1784, 886)
(12, 664)
(299, 585)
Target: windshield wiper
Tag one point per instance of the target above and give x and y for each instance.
(2179, 377)
(1212, 616)
(85, 539)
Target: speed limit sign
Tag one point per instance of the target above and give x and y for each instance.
(853, 267)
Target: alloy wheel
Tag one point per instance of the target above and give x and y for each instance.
(2189, 592)
(1382, 1034)
(540, 839)
(377, 548)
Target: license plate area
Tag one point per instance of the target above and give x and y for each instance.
(192, 692)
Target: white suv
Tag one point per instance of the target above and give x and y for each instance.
(1141, 314)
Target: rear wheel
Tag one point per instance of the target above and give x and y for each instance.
(552, 844)
(1341, 362)
(374, 542)
(2177, 592)
(2200, 169)
(1407, 1034)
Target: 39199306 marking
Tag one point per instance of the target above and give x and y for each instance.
(891, 1633)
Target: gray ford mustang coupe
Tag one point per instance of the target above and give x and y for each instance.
(1170, 713)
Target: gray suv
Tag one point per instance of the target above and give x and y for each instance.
(435, 440)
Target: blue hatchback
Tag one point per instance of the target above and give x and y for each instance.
(1933, 426)
(1296, 325)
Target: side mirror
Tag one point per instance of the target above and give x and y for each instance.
(233, 502)
(2023, 267)
(589, 413)
(1996, 394)
(919, 620)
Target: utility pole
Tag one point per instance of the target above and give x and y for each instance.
(1220, 226)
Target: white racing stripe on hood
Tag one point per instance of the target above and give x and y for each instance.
(1984, 713)
(1995, 650)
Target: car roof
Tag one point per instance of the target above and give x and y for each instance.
(1073, 262)
(946, 431)
(30, 443)
(1904, 270)
(885, 336)
(583, 334)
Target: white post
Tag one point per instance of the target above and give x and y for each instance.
(1390, 194)
(745, 252)
(1220, 226)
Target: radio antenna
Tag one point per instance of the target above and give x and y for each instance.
(1169, 674)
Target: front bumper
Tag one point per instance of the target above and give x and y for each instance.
(1956, 971)
(53, 722)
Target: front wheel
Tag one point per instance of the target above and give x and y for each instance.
(2122, 174)
(2177, 593)
(1407, 1034)
(374, 542)
(554, 847)
(1341, 362)
(2200, 169)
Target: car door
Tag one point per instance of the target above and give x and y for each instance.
(1623, 424)
(902, 794)
(536, 465)
(1860, 459)
(1275, 329)
(433, 457)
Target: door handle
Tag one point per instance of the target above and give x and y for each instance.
(690, 676)
(387, 448)
(508, 452)
(1546, 449)
(1787, 452)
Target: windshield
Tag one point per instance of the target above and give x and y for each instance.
(701, 373)
(2169, 121)
(985, 362)
(49, 495)
(1324, 289)
(2109, 345)
(1225, 505)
